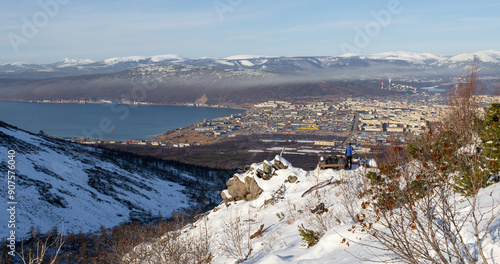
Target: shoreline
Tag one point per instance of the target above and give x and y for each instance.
(151, 134)
(131, 104)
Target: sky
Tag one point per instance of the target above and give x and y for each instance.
(47, 31)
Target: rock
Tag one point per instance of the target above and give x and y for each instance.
(268, 169)
(225, 196)
(259, 173)
(253, 189)
(292, 178)
(266, 177)
(320, 209)
(278, 165)
(237, 189)
(230, 182)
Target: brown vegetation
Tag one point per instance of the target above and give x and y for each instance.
(410, 207)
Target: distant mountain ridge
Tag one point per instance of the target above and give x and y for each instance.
(237, 79)
(72, 67)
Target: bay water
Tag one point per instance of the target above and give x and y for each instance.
(105, 121)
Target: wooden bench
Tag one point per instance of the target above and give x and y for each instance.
(325, 166)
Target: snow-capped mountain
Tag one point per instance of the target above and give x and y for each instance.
(238, 79)
(87, 187)
(305, 64)
(142, 59)
(185, 84)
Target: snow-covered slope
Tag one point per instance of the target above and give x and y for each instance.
(87, 187)
(142, 59)
(283, 206)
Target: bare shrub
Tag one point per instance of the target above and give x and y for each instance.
(200, 243)
(236, 234)
(170, 242)
(348, 191)
(411, 208)
(44, 250)
(291, 212)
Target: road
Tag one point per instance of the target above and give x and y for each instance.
(354, 129)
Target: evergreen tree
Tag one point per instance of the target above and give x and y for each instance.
(490, 135)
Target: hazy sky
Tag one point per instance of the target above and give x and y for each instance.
(47, 31)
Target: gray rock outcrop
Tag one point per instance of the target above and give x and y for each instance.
(238, 190)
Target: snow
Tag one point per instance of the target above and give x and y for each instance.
(280, 241)
(225, 62)
(372, 163)
(67, 62)
(51, 171)
(491, 56)
(17, 63)
(247, 63)
(405, 56)
(124, 59)
(159, 58)
(247, 57)
(348, 55)
(156, 58)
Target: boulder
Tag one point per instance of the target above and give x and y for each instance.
(266, 177)
(278, 165)
(292, 178)
(225, 196)
(238, 190)
(263, 175)
(253, 189)
(268, 169)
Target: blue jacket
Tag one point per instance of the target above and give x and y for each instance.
(348, 151)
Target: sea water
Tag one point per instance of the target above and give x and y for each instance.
(105, 121)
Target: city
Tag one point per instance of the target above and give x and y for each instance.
(315, 127)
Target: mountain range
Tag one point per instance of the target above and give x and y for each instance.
(237, 79)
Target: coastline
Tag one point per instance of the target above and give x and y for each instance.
(104, 102)
(105, 123)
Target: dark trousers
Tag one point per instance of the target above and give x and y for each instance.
(348, 162)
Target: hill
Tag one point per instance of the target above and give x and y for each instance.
(88, 187)
(299, 216)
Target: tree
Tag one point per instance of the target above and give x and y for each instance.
(411, 207)
(490, 135)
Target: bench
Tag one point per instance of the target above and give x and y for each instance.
(325, 166)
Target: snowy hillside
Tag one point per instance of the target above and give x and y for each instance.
(266, 229)
(88, 187)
